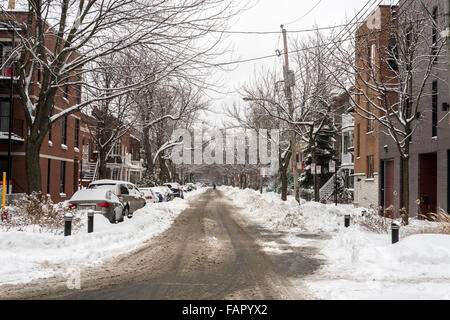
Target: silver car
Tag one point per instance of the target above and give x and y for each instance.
(102, 201)
(128, 193)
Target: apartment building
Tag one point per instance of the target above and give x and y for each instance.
(370, 37)
(429, 159)
(124, 161)
(60, 153)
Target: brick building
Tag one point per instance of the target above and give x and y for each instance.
(370, 37)
(430, 144)
(60, 153)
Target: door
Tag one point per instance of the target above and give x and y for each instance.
(428, 183)
(389, 185)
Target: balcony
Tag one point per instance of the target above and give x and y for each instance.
(17, 135)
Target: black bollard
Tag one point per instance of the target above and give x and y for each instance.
(395, 232)
(347, 220)
(90, 221)
(67, 225)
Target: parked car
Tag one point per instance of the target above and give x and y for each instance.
(158, 194)
(191, 186)
(149, 195)
(102, 201)
(167, 192)
(176, 189)
(132, 199)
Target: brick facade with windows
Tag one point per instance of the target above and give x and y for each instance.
(59, 153)
(370, 37)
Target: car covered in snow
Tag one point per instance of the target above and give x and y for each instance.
(128, 193)
(176, 189)
(165, 192)
(150, 195)
(101, 201)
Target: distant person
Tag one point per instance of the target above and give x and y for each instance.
(214, 186)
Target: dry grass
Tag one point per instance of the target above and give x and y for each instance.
(38, 214)
(441, 220)
(376, 219)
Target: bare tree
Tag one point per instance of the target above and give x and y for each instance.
(63, 38)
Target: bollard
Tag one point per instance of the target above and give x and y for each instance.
(67, 224)
(395, 232)
(90, 221)
(347, 220)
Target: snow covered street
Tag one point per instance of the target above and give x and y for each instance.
(26, 256)
(231, 244)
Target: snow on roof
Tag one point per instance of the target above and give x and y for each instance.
(14, 137)
(108, 181)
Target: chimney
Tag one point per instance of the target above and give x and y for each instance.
(11, 4)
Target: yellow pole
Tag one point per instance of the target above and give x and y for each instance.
(4, 190)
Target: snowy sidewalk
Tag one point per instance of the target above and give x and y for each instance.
(359, 264)
(26, 256)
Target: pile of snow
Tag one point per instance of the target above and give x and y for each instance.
(267, 210)
(26, 256)
(363, 265)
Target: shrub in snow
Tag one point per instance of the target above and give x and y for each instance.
(37, 213)
(147, 181)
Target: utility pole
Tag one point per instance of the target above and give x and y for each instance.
(288, 83)
(446, 34)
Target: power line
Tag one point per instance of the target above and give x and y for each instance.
(315, 6)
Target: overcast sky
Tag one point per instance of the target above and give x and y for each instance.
(268, 15)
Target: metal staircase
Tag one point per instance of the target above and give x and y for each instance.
(91, 175)
(327, 189)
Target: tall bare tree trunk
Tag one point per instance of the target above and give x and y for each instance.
(102, 164)
(33, 165)
(405, 189)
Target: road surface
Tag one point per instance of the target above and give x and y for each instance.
(209, 252)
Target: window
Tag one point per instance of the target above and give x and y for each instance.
(393, 54)
(4, 115)
(77, 132)
(48, 175)
(371, 54)
(124, 189)
(5, 52)
(434, 34)
(66, 91)
(64, 131)
(434, 103)
(348, 141)
(358, 146)
(62, 178)
(50, 129)
(370, 167)
(371, 120)
(117, 148)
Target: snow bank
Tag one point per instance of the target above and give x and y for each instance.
(26, 256)
(359, 263)
(367, 266)
(267, 210)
